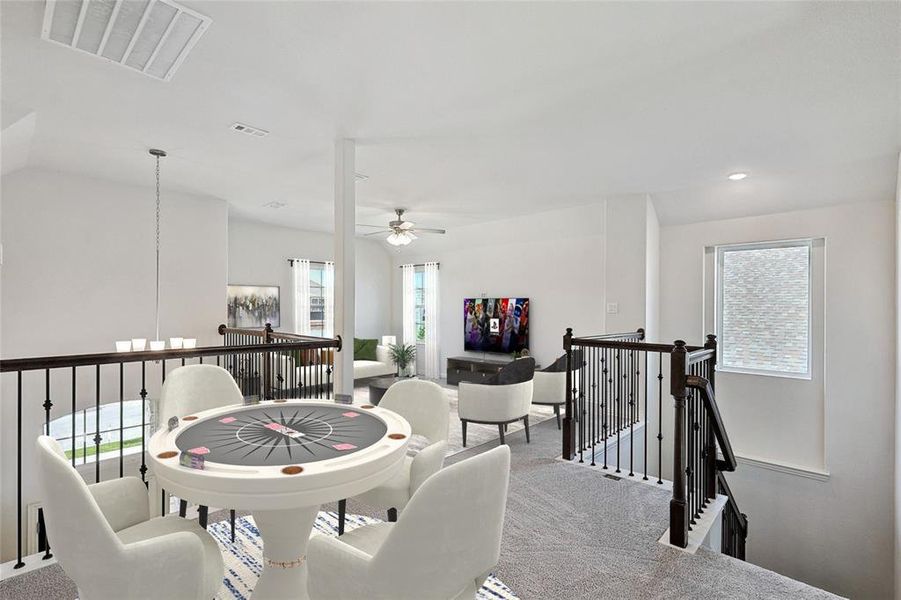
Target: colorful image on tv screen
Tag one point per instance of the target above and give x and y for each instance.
(496, 324)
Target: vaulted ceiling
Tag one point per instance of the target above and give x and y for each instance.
(475, 111)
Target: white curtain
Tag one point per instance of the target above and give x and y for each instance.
(328, 285)
(409, 305)
(430, 285)
(301, 276)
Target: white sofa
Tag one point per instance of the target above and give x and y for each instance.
(363, 369)
(375, 368)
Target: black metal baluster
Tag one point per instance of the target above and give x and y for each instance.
(645, 478)
(605, 391)
(619, 407)
(164, 371)
(122, 419)
(660, 418)
(583, 422)
(592, 393)
(73, 416)
(97, 437)
(143, 394)
(631, 383)
(48, 404)
(19, 564)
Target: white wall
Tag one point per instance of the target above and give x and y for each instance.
(652, 273)
(833, 533)
(78, 273)
(258, 254)
(555, 258)
(897, 387)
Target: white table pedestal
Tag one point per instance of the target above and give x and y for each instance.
(285, 535)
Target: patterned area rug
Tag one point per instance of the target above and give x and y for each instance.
(243, 558)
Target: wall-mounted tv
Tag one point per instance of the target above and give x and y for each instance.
(496, 324)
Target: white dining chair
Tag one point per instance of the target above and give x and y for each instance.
(443, 546)
(106, 542)
(425, 406)
(192, 389)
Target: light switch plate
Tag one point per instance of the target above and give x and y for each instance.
(612, 308)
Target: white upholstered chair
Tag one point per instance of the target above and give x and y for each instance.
(191, 389)
(443, 546)
(505, 398)
(425, 406)
(550, 384)
(106, 542)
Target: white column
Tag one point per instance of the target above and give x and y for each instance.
(345, 215)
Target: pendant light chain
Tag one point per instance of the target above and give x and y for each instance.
(157, 154)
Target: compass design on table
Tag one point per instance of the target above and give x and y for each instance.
(273, 435)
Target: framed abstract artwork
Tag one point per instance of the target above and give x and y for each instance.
(253, 305)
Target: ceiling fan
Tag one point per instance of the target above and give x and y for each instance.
(400, 232)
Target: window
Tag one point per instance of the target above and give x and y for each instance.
(317, 299)
(763, 308)
(419, 303)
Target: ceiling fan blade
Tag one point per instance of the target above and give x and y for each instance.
(429, 230)
(383, 232)
(406, 225)
(365, 225)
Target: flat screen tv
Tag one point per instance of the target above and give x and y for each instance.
(496, 324)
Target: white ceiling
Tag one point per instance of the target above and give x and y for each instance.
(473, 111)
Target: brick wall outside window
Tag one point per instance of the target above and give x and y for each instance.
(765, 304)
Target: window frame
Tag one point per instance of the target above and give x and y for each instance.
(720, 251)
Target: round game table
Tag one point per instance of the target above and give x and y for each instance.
(280, 460)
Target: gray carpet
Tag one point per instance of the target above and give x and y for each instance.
(569, 533)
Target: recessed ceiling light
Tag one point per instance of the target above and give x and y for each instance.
(737, 176)
(275, 204)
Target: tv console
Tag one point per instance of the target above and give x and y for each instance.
(474, 370)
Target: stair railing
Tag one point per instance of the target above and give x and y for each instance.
(614, 393)
(698, 432)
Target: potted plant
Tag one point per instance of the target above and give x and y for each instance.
(403, 356)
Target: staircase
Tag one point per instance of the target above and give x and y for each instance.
(615, 401)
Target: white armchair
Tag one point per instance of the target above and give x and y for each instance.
(425, 406)
(191, 389)
(443, 546)
(505, 399)
(106, 542)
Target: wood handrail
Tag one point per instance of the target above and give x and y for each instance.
(740, 516)
(106, 358)
(719, 430)
(696, 355)
(223, 329)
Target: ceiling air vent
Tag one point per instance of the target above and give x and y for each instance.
(150, 36)
(244, 128)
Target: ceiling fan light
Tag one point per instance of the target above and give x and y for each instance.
(411, 235)
(396, 240)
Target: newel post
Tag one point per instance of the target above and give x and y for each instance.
(569, 431)
(265, 393)
(678, 509)
(710, 441)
